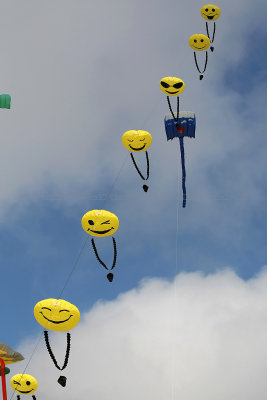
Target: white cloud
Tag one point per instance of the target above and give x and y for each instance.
(203, 337)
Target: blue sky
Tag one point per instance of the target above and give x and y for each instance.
(76, 88)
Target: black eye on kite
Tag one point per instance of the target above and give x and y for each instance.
(213, 9)
(28, 383)
(90, 222)
(106, 222)
(206, 9)
(201, 40)
(178, 85)
(195, 40)
(164, 84)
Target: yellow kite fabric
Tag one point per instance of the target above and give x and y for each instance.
(9, 355)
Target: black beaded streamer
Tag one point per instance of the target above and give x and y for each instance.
(52, 354)
(213, 35)
(170, 107)
(138, 170)
(99, 259)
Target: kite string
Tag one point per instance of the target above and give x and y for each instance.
(74, 266)
(116, 178)
(173, 385)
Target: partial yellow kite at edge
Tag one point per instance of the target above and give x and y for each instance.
(9, 355)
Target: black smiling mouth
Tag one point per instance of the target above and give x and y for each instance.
(100, 232)
(210, 16)
(24, 391)
(137, 148)
(199, 47)
(172, 92)
(55, 322)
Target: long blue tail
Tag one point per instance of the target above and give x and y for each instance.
(181, 139)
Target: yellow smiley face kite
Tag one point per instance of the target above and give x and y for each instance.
(24, 384)
(210, 12)
(136, 140)
(100, 223)
(171, 85)
(56, 314)
(199, 42)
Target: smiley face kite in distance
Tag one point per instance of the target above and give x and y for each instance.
(199, 42)
(23, 384)
(101, 223)
(210, 12)
(56, 314)
(138, 141)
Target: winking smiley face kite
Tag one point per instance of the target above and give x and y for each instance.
(24, 384)
(101, 223)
